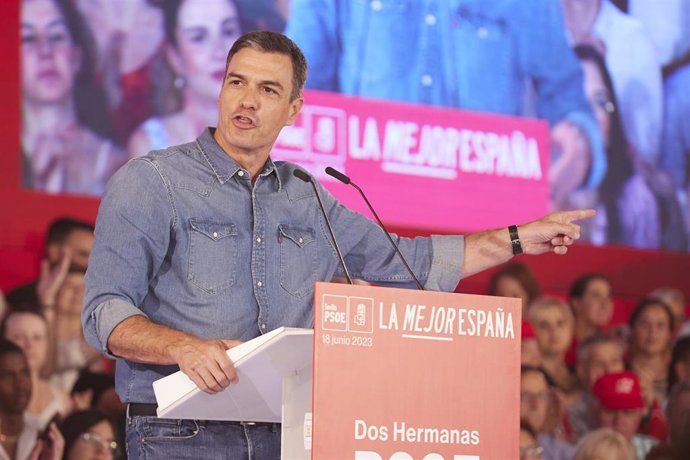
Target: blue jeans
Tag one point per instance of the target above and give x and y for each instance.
(156, 438)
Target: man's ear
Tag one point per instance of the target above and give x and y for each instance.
(295, 107)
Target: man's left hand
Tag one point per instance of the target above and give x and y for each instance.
(553, 232)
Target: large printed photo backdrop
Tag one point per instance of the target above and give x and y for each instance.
(431, 104)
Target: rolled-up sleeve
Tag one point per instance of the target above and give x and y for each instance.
(448, 256)
(133, 228)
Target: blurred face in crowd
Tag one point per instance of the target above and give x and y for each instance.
(529, 449)
(554, 330)
(599, 97)
(651, 333)
(625, 421)
(15, 383)
(96, 444)
(530, 355)
(595, 306)
(30, 333)
(79, 242)
(535, 397)
(205, 32)
(602, 358)
(507, 286)
(71, 296)
(50, 60)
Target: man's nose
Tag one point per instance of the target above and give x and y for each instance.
(249, 99)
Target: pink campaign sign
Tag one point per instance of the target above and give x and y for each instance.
(440, 168)
(401, 374)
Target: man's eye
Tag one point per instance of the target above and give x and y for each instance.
(269, 90)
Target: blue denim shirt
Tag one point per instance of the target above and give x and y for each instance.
(470, 54)
(183, 238)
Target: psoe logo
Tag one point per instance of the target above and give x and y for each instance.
(361, 315)
(335, 317)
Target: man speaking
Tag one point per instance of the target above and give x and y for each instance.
(205, 244)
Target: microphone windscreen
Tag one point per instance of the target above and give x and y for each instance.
(338, 175)
(298, 173)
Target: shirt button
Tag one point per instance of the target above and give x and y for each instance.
(258, 240)
(240, 173)
(259, 283)
(301, 241)
(430, 20)
(215, 234)
(427, 80)
(376, 5)
(263, 326)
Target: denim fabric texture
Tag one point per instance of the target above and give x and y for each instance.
(184, 239)
(153, 438)
(469, 54)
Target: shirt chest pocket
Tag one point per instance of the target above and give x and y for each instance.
(212, 255)
(298, 259)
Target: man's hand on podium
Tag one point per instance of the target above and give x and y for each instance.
(206, 363)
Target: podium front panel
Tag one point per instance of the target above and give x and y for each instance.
(414, 374)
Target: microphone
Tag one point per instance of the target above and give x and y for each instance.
(298, 173)
(347, 181)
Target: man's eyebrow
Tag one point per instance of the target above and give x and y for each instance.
(275, 83)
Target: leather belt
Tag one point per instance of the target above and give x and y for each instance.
(150, 410)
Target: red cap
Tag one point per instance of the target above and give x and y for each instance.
(619, 391)
(527, 331)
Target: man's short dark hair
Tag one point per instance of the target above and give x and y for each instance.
(273, 42)
(60, 229)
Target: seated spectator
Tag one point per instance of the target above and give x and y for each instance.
(515, 280)
(677, 446)
(530, 355)
(627, 211)
(29, 330)
(65, 126)
(89, 434)
(596, 356)
(651, 325)
(96, 391)
(604, 444)
(68, 245)
(621, 407)
(553, 323)
(675, 299)
(529, 449)
(590, 299)
(635, 69)
(539, 406)
(19, 431)
(197, 37)
(72, 353)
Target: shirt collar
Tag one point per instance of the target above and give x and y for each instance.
(222, 165)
